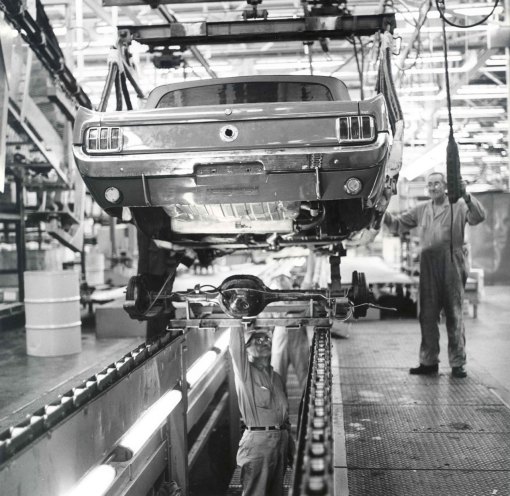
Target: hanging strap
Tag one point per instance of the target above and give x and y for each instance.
(453, 178)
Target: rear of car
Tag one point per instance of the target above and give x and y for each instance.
(215, 152)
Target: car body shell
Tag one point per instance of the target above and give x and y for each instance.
(231, 169)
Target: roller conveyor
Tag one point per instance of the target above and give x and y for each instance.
(100, 414)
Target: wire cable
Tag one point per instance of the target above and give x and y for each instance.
(467, 26)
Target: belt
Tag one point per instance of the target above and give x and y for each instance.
(267, 428)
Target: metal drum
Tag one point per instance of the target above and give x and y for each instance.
(52, 310)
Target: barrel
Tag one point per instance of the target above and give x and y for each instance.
(52, 313)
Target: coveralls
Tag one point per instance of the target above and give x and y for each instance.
(262, 454)
(290, 347)
(443, 274)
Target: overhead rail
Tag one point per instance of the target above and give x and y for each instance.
(39, 34)
(253, 31)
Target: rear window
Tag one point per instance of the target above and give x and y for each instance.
(250, 92)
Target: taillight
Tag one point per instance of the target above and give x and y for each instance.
(103, 139)
(358, 128)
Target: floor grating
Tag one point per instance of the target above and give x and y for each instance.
(417, 435)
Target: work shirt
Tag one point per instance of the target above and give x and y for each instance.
(260, 391)
(434, 222)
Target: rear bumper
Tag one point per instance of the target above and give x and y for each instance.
(266, 187)
(301, 174)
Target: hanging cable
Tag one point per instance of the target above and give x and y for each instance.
(453, 177)
(467, 26)
(359, 66)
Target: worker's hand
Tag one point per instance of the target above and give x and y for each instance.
(463, 188)
(463, 192)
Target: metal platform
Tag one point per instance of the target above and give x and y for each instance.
(416, 435)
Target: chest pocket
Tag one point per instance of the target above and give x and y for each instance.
(262, 397)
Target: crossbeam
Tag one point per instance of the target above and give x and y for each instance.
(299, 29)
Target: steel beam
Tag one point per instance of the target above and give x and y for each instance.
(299, 29)
(130, 3)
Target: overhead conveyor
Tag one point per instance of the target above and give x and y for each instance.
(253, 31)
(37, 32)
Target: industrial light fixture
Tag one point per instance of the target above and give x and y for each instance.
(197, 370)
(430, 58)
(412, 15)
(292, 64)
(478, 10)
(420, 98)
(202, 365)
(105, 29)
(150, 421)
(496, 60)
(484, 89)
(96, 482)
(473, 112)
(436, 29)
(420, 88)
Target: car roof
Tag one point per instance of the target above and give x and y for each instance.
(338, 88)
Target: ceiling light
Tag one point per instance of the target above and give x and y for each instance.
(480, 10)
(294, 64)
(431, 59)
(496, 60)
(472, 112)
(464, 154)
(60, 31)
(420, 98)
(503, 125)
(483, 89)
(438, 29)
(413, 15)
(492, 137)
(420, 88)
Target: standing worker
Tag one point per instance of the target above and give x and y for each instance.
(443, 269)
(289, 347)
(266, 443)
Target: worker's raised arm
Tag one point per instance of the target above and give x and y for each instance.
(404, 222)
(238, 352)
(476, 212)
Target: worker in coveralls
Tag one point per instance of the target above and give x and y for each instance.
(266, 444)
(444, 267)
(289, 347)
